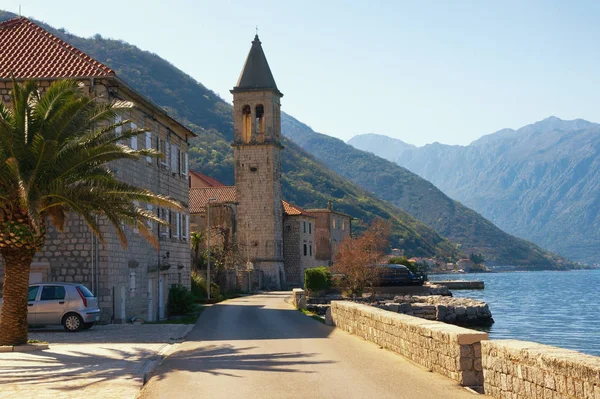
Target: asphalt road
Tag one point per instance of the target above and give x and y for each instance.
(260, 347)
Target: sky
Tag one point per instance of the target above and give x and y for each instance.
(426, 71)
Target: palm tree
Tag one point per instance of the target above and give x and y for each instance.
(54, 154)
(196, 241)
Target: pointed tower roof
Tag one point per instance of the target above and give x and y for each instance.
(256, 74)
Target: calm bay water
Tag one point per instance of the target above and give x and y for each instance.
(554, 308)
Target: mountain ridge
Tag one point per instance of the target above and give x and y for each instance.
(540, 181)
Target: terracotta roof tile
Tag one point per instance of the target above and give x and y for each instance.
(29, 52)
(294, 210)
(199, 197)
(207, 179)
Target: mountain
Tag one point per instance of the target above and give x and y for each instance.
(421, 199)
(540, 182)
(306, 181)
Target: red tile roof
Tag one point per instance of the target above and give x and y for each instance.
(199, 197)
(294, 210)
(27, 51)
(207, 179)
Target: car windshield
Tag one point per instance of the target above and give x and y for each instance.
(85, 292)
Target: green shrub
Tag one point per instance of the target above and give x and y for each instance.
(317, 279)
(198, 285)
(181, 300)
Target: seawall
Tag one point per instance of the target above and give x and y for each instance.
(500, 368)
(446, 349)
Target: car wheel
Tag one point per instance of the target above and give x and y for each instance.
(87, 326)
(73, 322)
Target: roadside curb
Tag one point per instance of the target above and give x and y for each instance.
(147, 369)
(23, 348)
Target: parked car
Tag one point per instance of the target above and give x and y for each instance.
(69, 304)
(392, 275)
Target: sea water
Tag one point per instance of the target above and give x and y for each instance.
(554, 308)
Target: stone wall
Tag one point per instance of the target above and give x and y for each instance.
(298, 236)
(520, 369)
(445, 349)
(259, 210)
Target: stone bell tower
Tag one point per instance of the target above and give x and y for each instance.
(257, 155)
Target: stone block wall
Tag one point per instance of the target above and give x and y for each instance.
(298, 232)
(521, 369)
(445, 349)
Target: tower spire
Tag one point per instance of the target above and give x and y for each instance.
(256, 74)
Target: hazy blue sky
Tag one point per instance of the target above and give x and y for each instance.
(447, 71)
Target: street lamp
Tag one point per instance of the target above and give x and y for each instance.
(208, 245)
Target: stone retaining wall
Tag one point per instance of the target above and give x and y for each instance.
(446, 349)
(521, 369)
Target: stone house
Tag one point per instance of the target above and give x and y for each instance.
(331, 227)
(133, 281)
(275, 236)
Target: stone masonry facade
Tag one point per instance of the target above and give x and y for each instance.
(133, 281)
(298, 247)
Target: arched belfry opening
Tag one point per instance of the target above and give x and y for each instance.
(260, 120)
(246, 123)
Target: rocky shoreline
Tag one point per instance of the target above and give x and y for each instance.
(440, 307)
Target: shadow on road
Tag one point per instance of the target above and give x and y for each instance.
(226, 359)
(70, 371)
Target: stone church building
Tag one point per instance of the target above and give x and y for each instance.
(273, 235)
(133, 281)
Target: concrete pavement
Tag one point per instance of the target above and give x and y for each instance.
(260, 347)
(104, 362)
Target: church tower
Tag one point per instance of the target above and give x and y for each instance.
(257, 156)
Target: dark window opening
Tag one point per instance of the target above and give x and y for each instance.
(304, 249)
(260, 123)
(246, 123)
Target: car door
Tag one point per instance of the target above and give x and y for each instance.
(51, 305)
(32, 303)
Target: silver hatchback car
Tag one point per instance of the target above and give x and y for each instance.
(69, 304)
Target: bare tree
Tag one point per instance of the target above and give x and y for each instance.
(357, 258)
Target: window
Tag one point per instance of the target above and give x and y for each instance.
(137, 205)
(118, 129)
(174, 159)
(169, 220)
(186, 228)
(309, 228)
(333, 221)
(246, 123)
(304, 229)
(148, 145)
(185, 164)
(149, 222)
(343, 225)
(52, 293)
(310, 248)
(260, 122)
(163, 214)
(32, 293)
(338, 225)
(177, 225)
(134, 140)
(304, 249)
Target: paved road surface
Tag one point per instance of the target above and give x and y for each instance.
(260, 347)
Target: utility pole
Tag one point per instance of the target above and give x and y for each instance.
(208, 247)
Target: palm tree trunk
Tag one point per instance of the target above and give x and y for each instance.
(13, 316)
